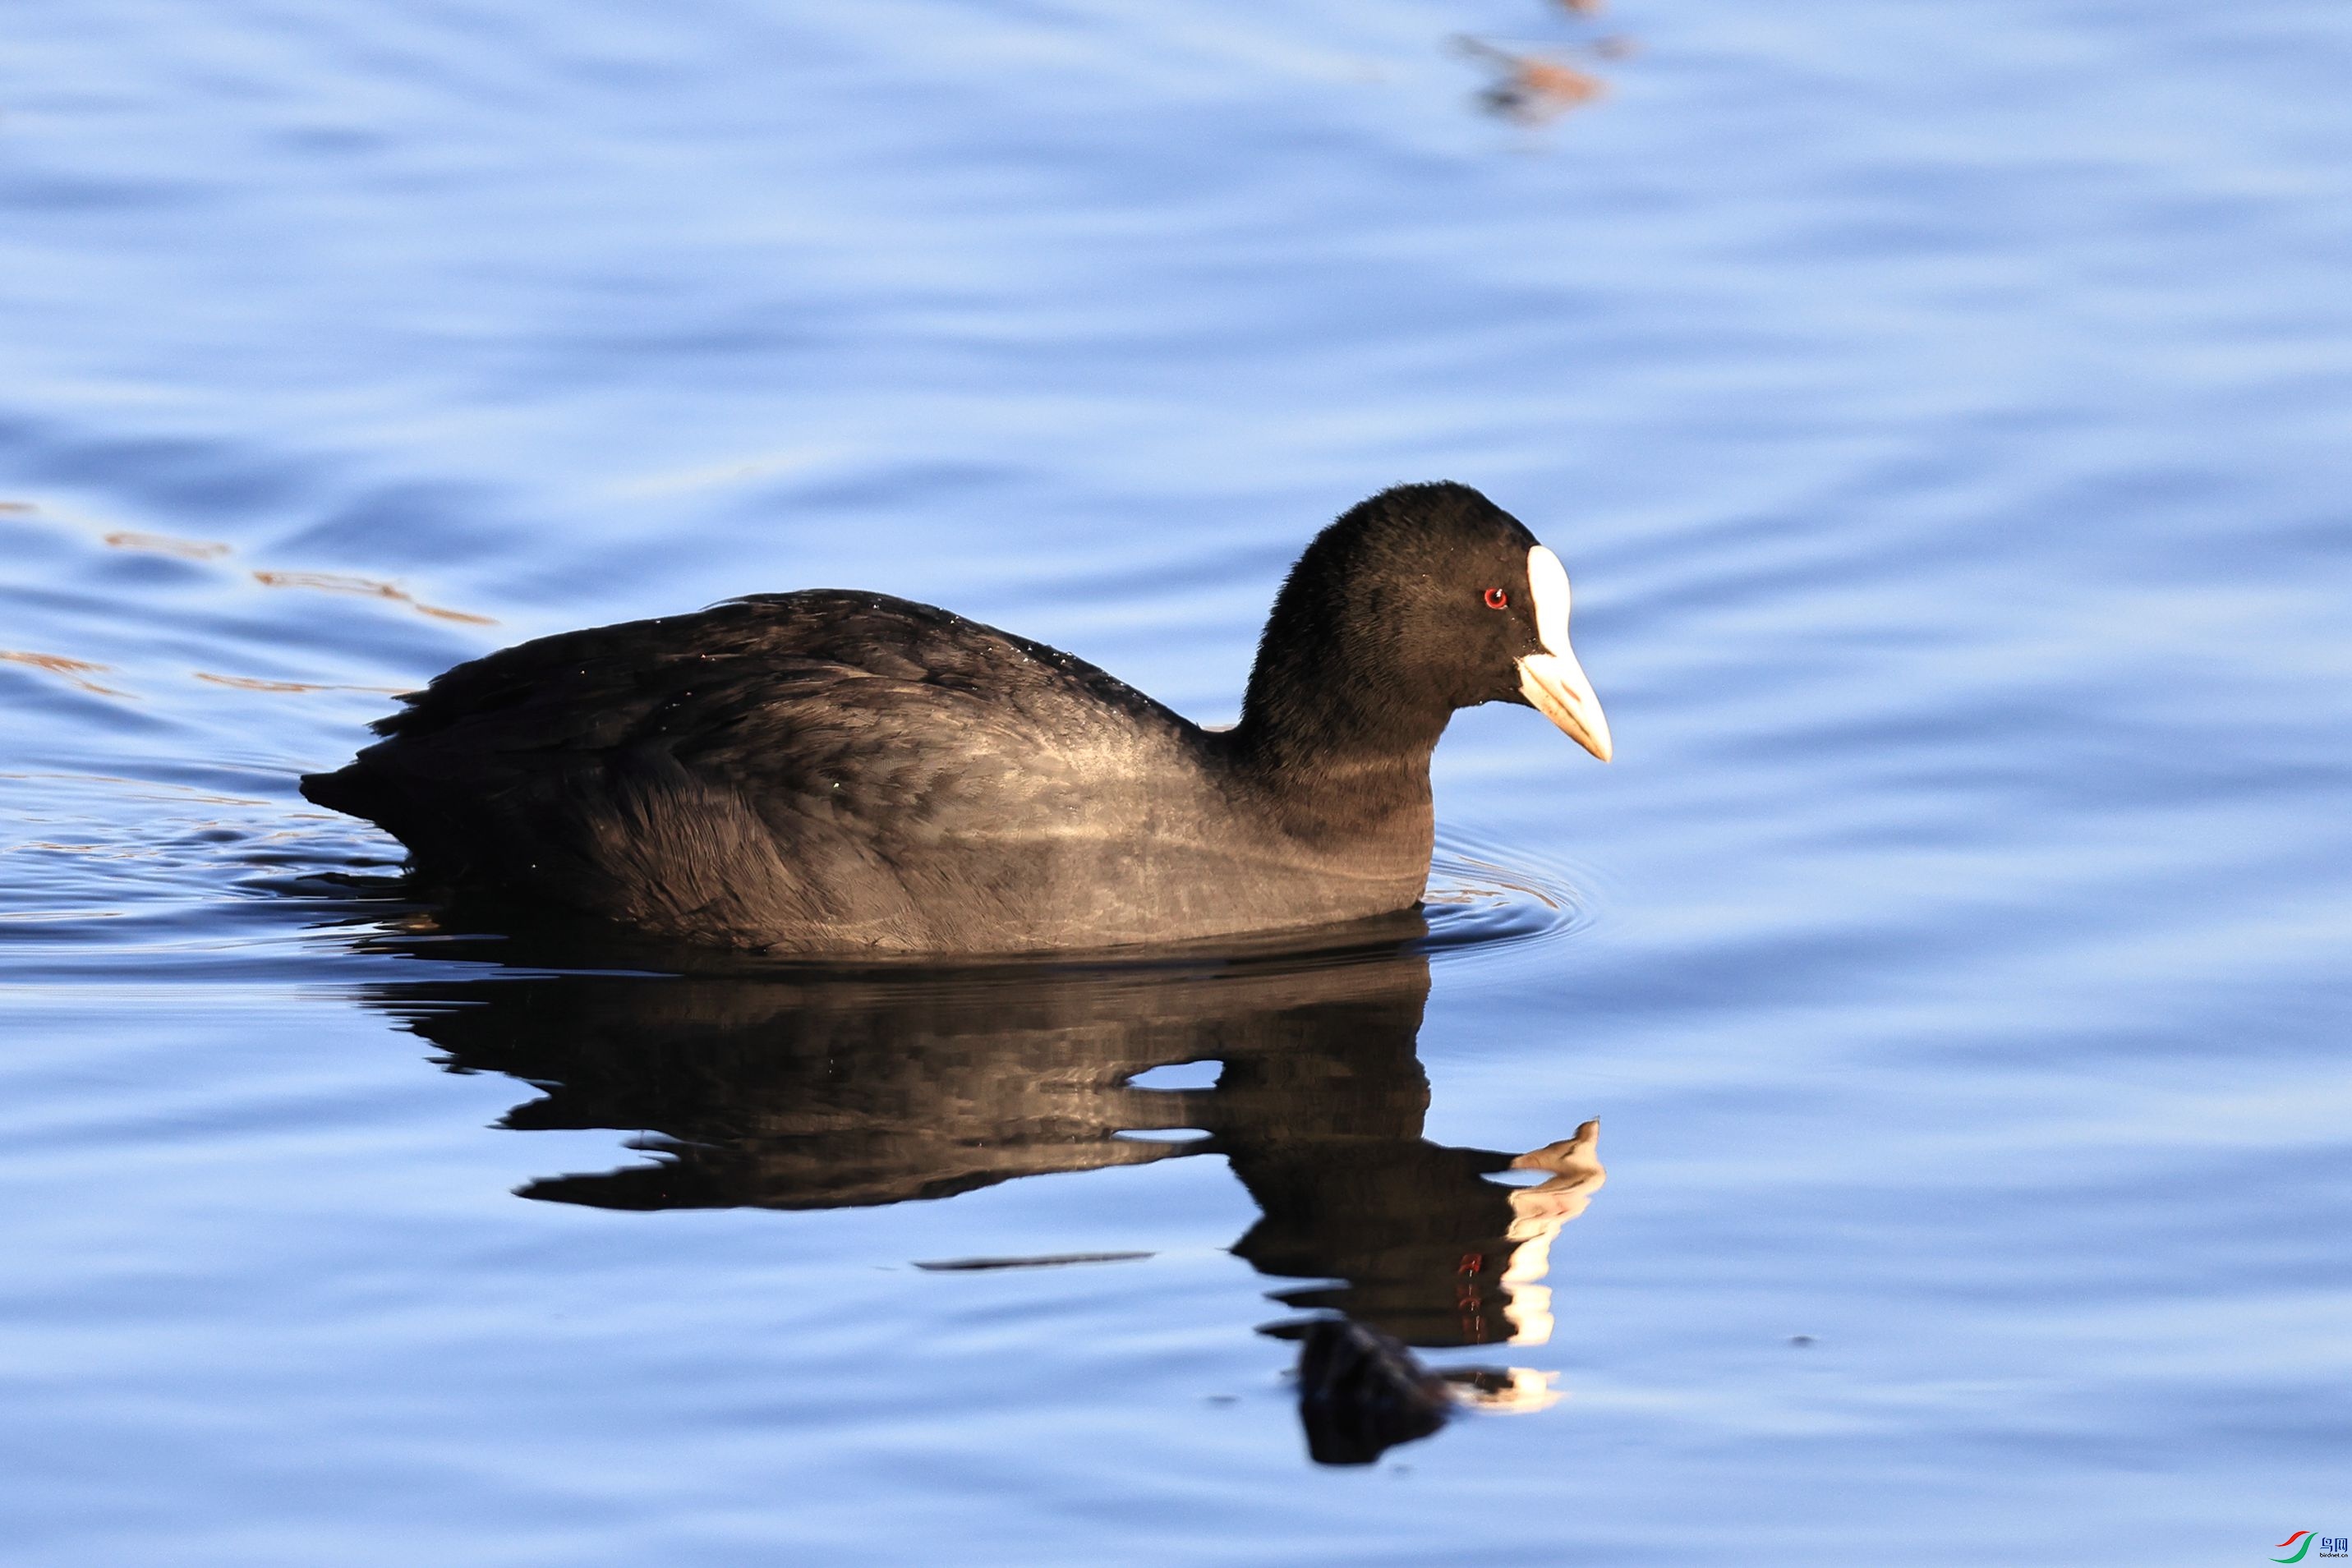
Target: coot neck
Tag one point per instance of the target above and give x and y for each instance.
(1339, 746)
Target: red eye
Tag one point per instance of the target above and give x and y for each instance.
(1496, 599)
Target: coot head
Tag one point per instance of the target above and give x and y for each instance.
(1422, 599)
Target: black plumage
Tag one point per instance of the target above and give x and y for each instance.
(842, 773)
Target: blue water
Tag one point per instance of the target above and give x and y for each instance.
(1946, 413)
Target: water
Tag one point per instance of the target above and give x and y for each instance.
(1943, 412)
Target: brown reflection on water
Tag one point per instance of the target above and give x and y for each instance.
(1529, 88)
(142, 789)
(1532, 84)
(76, 672)
(817, 1090)
(366, 587)
(166, 544)
(138, 542)
(254, 683)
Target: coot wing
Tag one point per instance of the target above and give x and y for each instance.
(814, 770)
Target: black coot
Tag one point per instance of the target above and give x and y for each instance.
(834, 773)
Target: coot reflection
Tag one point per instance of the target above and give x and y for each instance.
(802, 1089)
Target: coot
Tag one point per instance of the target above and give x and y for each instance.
(840, 773)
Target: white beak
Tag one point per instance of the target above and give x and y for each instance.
(1552, 680)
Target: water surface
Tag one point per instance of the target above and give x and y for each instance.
(1943, 412)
